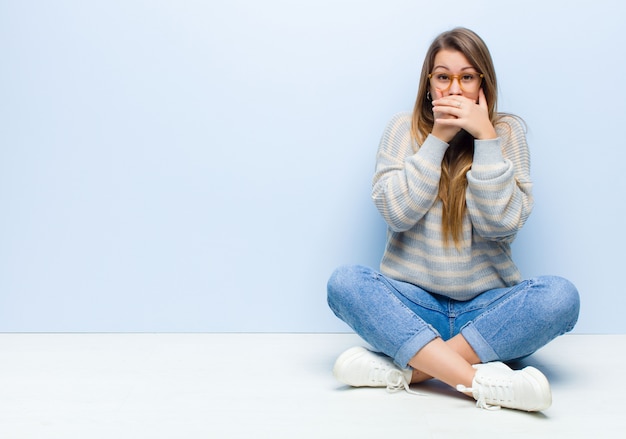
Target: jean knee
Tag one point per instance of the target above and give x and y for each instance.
(571, 301)
(341, 285)
(564, 301)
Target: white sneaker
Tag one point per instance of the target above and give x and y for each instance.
(495, 385)
(360, 367)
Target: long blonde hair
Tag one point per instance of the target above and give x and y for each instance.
(459, 156)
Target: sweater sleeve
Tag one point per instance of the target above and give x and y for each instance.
(406, 183)
(499, 193)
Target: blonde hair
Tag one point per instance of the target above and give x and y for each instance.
(459, 156)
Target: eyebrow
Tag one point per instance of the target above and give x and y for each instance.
(447, 68)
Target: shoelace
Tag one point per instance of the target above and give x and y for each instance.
(396, 382)
(481, 399)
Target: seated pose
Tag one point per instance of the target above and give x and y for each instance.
(452, 182)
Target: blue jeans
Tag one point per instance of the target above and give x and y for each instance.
(399, 319)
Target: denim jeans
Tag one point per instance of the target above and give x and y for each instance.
(399, 319)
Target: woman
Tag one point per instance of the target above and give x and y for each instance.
(453, 183)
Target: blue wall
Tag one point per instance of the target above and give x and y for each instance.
(203, 166)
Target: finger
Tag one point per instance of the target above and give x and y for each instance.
(449, 121)
(449, 102)
(445, 111)
(482, 100)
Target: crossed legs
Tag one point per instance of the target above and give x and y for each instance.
(400, 319)
(450, 362)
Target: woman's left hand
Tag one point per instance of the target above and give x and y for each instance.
(471, 116)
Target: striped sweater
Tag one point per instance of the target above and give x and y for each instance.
(499, 200)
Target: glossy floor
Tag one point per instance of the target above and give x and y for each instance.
(187, 386)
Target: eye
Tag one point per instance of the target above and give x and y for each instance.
(442, 77)
(469, 77)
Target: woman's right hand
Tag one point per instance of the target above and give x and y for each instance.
(443, 132)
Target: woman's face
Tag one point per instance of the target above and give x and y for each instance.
(453, 65)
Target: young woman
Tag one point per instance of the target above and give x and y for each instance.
(452, 181)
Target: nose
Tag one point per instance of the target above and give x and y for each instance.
(455, 86)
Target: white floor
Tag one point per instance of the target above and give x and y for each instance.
(186, 386)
